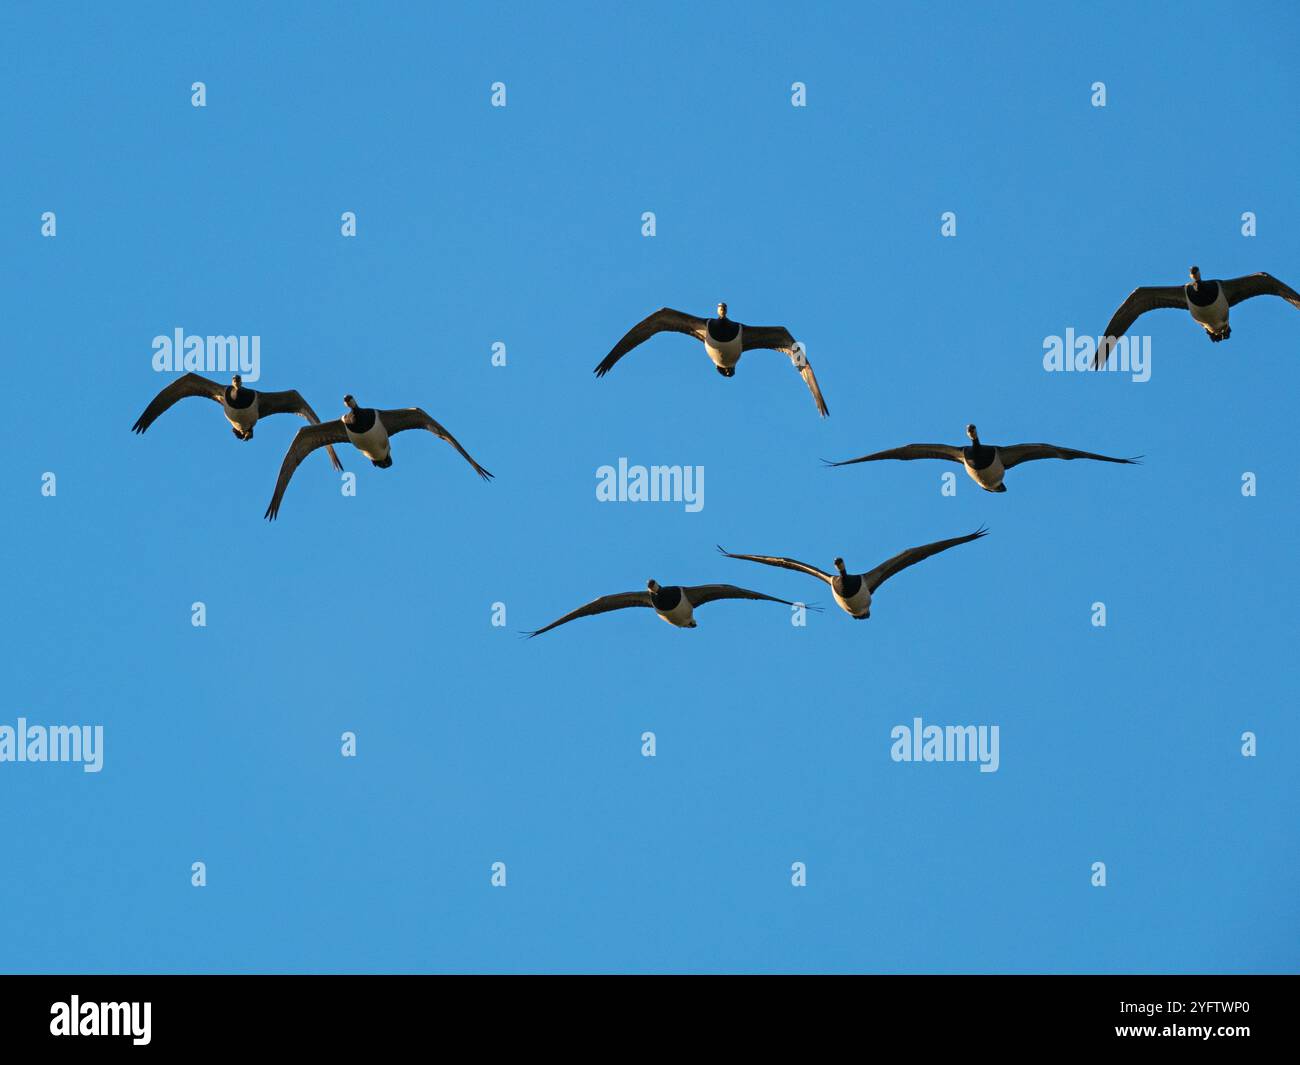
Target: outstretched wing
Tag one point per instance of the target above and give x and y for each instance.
(664, 320)
(876, 577)
(699, 594)
(305, 441)
(191, 384)
(907, 453)
(783, 563)
(1140, 300)
(398, 421)
(778, 338)
(291, 402)
(1244, 288)
(1018, 453)
(602, 605)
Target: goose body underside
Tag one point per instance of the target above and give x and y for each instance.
(373, 443)
(724, 353)
(681, 615)
(242, 419)
(858, 604)
(988, 477)
(1212, 316)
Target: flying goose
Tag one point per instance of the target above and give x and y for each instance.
(1208, 302)
(675, 603)
(243, 407)
(366, 429)
(986, 463)
(724, 340)
(853, 590)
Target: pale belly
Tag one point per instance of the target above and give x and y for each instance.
(992, 474)
(241, 419)
(681, 615)
(373, 443)
(1215, 316)
(856, 605)
(725, 353)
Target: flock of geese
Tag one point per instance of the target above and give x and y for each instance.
(370, 431)
(365, 428)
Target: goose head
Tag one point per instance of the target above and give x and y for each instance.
(653, 586)
(973, 433)
(350, 403)
(722, 310)
(839, 565)
(236, 383)
(1195, 273)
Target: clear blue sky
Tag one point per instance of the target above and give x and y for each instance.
(523, 225)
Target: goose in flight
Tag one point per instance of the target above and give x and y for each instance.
(243, 407)
(853, 591)
(724, 340)
(1208, 302)
(366, 429)
(987, 464)
(675, 603)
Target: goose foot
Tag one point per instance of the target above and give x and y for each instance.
(242, 434)
(384, 464)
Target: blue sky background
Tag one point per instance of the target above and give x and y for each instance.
(522, 225)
